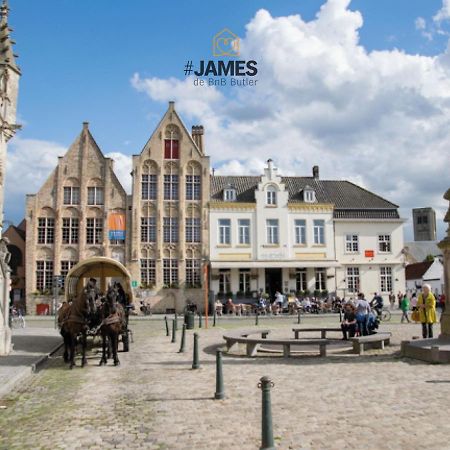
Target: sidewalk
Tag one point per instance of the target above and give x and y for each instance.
(31, 346)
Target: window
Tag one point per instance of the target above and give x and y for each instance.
(192, 230)
(170, 272)
(384, 243)
(69, 230)
(44, 275)
(229, 195)
(224, 282)
(244, 231)
(46, 230)
(271, 196)
(193, 187)
(193, 272)
(71, 195)
(149, 187)
(225, 231)
(353, 279)
(244, 280)
(148, 271)
(351, 243)
(170, 229)
(309, 196)
(385, 279)
(170, 187)
(65, 267)
(321, 279)
(300, 232)
(272, 231)
(148, 229)
(301, 284)
(319, 232)
(94, 231)
(171, 149)
(95, 196)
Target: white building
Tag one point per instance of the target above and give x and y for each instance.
(430, 272)
(302, 234)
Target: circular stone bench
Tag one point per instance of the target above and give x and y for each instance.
(253, 343)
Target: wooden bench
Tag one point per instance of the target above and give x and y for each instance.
(377, 340)
(323, 331)
(252, 344)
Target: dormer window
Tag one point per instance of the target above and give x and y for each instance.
(271, 196)
(229, 194)
(309, 196)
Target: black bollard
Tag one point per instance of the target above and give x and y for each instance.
(195, 362)
(199, 320)
(183, 339)
(266, 425)
(176, 321)
(167, 325)
(257, 318)
(174, 332)
(214, 318)
(219, 394)
(298, 317)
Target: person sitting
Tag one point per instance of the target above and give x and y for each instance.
(230, 308)
(306, 304)
(349, 322)
(219, 307)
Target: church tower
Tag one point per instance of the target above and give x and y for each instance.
(9, 88)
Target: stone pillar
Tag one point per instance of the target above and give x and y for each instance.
(444, 245)
(5, 331)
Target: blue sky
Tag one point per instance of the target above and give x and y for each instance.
(78, 57)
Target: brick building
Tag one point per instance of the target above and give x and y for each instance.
(67, 219)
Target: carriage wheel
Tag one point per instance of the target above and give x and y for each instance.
(126, 343)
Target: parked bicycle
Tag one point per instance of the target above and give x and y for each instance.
(16, 318)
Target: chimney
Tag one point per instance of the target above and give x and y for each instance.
(197, 136)
(85, 125)
(316, 172)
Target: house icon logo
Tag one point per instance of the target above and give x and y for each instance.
(226, 43)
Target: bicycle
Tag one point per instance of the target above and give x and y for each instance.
(384, 314)
(16, 319)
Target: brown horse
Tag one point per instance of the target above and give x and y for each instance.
(112, 325)
(75, 319)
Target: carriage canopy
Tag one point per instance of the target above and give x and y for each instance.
(101, 268)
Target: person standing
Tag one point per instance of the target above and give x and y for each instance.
(392, 300)
(362, 314)
(405, 308)
(427, 311)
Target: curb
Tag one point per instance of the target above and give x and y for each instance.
(28, 371)
(35, 367)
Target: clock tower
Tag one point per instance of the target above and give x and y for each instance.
(9, 88)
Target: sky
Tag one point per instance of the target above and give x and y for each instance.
(360, 88)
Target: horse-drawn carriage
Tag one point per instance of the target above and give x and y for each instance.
(98, 297)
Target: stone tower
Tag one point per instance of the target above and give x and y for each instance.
(9, 88)
(424, 222)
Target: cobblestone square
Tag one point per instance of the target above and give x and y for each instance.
(154, 400)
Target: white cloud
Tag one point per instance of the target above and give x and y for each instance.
(420, 23)
(122, 168)
(28, 165)
(30, 162)
(379, 117)
(443, 13)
